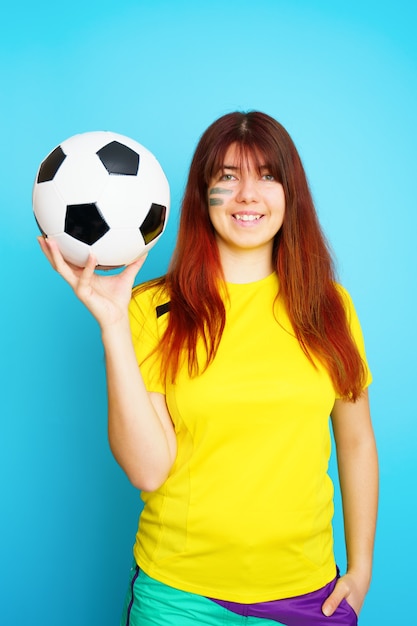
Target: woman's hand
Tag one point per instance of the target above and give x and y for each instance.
(106, 297)
(350, 588)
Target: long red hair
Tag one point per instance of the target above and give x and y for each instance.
(301, 257)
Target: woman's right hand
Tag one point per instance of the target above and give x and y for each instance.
(106, 297)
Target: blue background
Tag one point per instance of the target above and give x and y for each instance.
(341, 76)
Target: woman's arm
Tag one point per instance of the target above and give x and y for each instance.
(141, 433)
(358, 475)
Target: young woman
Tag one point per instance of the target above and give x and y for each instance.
(222, 376)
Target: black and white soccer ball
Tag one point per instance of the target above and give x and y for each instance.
(101, 193)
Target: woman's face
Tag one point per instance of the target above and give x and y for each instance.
(246, 204)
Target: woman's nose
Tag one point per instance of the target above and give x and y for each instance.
(247, 190)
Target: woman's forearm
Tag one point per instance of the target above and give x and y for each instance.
(358, 472)
(358, 475)
(141, 434)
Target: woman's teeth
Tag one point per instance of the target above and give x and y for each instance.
(246, 218)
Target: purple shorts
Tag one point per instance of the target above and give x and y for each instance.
(152, 603)
(302, 610)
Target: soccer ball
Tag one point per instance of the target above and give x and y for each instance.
(104, 194)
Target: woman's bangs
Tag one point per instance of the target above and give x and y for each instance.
(261, 154)
(264, 154)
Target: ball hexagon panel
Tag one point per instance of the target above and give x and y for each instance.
(73, 250)
(124, 201)
(116, 246)
(50, 208)
(90, 176)
(91, 143)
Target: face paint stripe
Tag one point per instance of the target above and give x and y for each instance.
(217, 190)
(216, 202)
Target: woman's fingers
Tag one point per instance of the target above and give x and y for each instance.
(54, 256)
(132, 269)
(45, 248)
(87, 272)
(69, 272)
(52, 253)
(105, 296)
(100, 293)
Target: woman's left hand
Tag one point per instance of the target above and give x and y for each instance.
(350, 588)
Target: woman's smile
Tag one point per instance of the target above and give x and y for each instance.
(247, 218)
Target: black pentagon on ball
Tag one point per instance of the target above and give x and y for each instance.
(119, 159)
(51, 165)
(85, 223)
(153, 224)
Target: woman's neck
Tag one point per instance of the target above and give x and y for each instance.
(245, 266)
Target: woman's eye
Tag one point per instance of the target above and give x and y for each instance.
(227, 177)
(268, 177)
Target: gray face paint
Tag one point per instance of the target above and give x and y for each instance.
(217, 191)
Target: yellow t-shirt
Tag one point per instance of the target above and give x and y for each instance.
(245, 514)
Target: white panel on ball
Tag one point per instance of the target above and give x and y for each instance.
(51, 208)
(119, 247)
(132, 194)
(81, 178)
(73, 251)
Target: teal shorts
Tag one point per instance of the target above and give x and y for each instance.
(151, 603)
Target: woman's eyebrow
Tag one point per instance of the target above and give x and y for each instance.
(234, 168)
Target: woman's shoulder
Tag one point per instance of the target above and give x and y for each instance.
(350, 309)
(345, 296)
(151, 294)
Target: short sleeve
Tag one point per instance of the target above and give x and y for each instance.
(147, 328)
(356, 331)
